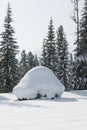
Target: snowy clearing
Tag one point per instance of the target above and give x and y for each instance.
(66, 113)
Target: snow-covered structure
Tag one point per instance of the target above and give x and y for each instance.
(39, 82)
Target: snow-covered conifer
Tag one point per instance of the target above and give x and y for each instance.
(30, 60)
(23, 67)
(8, 52)
(49, 49)
(80, 69)
(62, 53)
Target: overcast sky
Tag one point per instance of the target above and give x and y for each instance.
(31, 20)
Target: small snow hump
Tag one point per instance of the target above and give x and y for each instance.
(40, 82)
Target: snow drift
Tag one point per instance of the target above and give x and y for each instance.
(39, 82)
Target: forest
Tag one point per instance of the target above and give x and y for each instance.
(70, 69)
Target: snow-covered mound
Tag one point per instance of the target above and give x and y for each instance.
(37, 83)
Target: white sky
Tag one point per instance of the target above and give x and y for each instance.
(31, 19)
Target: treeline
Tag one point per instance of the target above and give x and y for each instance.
(27, 62)
(72, 72)
(12, 69)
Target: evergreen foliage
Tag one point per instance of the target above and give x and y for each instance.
(49, 58)
(43, 59)
(55, 55)
(27, 62)
(23, 67)
(80, 69)
(62, 53)
(31, 61)
(71, 74)
(82, 45)
(36, 62)
(8, 52)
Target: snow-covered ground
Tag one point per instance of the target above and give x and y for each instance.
(66, 113)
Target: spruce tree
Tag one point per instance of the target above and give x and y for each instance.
(8, 50)
(36, 62)
(80, 69)
(71, 74)
(27, 62)
(43, 59)
(76, 20)
(62, 53)
(23, 67)
(30, 60)
(49, 49)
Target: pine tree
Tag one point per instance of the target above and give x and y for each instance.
(30, 60)
(81, 53)
(36, 62)
(82, 47)
(49, 49)
(71, 74)
(23, 67)
(8, 50)
(76, 20)
(62, 53)
(27, 62)
(43, 59)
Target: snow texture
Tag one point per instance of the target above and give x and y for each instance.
(68, 112)
(39, 82)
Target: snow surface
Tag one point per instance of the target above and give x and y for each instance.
(66, 113)
(39, 80)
